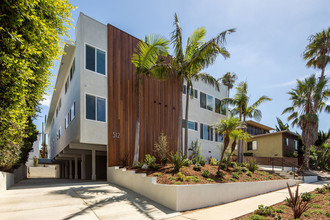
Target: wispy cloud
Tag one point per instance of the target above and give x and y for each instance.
(46, 100)
(293, 82)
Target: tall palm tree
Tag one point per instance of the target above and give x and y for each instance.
(241, 108)
(317, 52)
(187, 64)
(226, 127)
(228, 80)
(145, 57)
(281, 126)
(308, 100)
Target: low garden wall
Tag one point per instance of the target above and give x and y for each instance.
(47, 171)
(187, 197)
(6, 180)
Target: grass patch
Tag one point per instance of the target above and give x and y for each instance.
(283, 207)
(316, 206)
(316, 212)
(327, 198)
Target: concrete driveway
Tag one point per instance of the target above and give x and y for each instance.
(69, 199)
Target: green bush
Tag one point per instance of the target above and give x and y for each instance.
(220, 174)
(177, 183)
(149, 159)
(35, 161)
(153, 167)
(244, 169)
(138, 164)
(161, 148)
(257, 217)
(249, 173)
(197, 167)
(327, 214)
(199, 159)
(213, 162)
(306, 196)
(223, 166)
(321, 190)
(252, 165)
(181, 176)
(209, 180)
(172, 178)
(188, 178)
(233, 179)
(158, 174)
(326, 186)
(188, 163)
(236, 175)
(233, 164)
(178, 161)
(195, 179)
(206, 173)
(267, 211)
(238, 169)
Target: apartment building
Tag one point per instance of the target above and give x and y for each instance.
(92, 117)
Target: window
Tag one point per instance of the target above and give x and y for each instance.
(191, 125)
(220, 107)
(67, 120)
(254, 145)
(249, 145)
(206, 101)
(195, 93)
(95, 108)
(184, 89)
(66, 85)
(218, 137)
(206, 132)
(72, 69)
(202, 100)
(72, 111)
(59, 133)
(95, 60)
(295, 145)
(287, 141)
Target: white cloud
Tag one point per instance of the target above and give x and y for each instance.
(46, 100)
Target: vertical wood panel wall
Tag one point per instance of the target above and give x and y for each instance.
(159, 103)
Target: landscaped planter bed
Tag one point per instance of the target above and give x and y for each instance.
(191, 196)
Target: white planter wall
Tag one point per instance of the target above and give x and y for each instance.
(6, 180)
(187, 197)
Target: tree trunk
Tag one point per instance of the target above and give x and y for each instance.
(227, 110)
(186, 125)
(179, 141)
(308, 136)
(233, 145)
(225, 145)
(137, 129)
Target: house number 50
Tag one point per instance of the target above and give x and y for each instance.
(115, 134)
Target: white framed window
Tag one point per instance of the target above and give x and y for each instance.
(287, 141)
(59, 133)
(72, 69)
(95, 108)
(254, 145)
(195, 92)
(67, 120)
(218, 137)
(95, 59)
(220, 107)
(206, 101)
(206, 132)
(73, 111)
(295, 145)
(191, 125)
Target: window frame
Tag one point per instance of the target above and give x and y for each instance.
(106, 107)
(106, 63)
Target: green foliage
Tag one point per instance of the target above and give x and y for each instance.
(31, 36)
(181, 176)
(197, 167)
(172, 178)
(195, 148)
(327, 198)
(326, 186)
(233, 164)
(327, 214)
(153, 167)
(328, 203)
(138, 164)
(213, 161)
(321, 190)
(306, 196)
(316, 212)
(199, 159)
(233, 179)
(249, 173)
(149, 159)
(244, 169)
(209, 180)
(220, 174)
(161, 148)
(315, 206)
(35, 161)
(188, 163)
(188, 178)
(195, 179)
(223, 166)
(158, 174)
(177, 183)
(206, 173)
(236, 175)
(178, 161)
(252, 165)
(256, 217)
(267, 211)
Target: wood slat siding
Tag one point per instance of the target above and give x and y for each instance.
(159, 103)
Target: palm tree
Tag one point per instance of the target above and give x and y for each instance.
(236, 136)
(308, 100)
(187, 64)
(145, 57)
(241, 108)
(228, 80)
(281, 126)
(226, 127)
(317, 52)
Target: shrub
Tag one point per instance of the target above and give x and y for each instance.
(316, 212)
(327, 214)
(198, 167)
(199, 159)
(195, 148)
(321, 190)
(161, 148)
(213, 161)
(238, 169)
(172, 178)
(153, 167)
(158, 174)
(149, 159)
(236, 175)
(233, 179)
(233, 164)
(249, 173)
(326, 186)
(306, 196)
(295, 202)
(195, 179)
(177, 183)
(188, 163)
(188, 178)
(265, 211)
(181, 176)
(244, 169)
(252, 165)
(223, 166)
(138, 164)
(178, 161)
(220, 174)
(35, 161)
(210, 180)
(257, 217)
(206, 173)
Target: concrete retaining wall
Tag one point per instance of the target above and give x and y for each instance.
(49, 171)
(6, 180)
(187, 197)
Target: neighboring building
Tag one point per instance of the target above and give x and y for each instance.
(35, 152)
(266, 144)
(92, 116)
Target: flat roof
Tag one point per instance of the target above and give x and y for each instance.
(274, 133)
(256, 124)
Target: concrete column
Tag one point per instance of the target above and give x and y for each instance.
(70, 173)
(93, 165)
(83, 162)
(75, 167)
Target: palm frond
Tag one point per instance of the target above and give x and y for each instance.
(176, 40)
(195, 40)
(208, 79)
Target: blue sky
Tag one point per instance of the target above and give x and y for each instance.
(266, 50)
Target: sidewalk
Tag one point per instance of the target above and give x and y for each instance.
(242, 207)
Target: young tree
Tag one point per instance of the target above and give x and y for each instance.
(226, 127)
(30, 40)
(145, 57)
(187, 64)
(308, 100)
(235, 136)
(317, 52)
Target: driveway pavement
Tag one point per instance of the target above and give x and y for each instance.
(69, 199)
